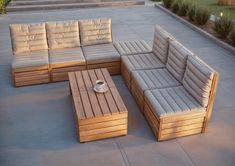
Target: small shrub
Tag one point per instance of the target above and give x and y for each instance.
(223, 26)
(191, 12)
(202, 15)
(183, 8)
(167, 3)
(2, 7)
(175, 6)
(232, 37)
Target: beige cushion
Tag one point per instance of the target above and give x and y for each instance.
(172, 101)
(154, 78)
(66, 57)
(141, 61)
(100, 53)
(198, 79)
(95, 31)
(28, 37)
(177, 59)
(33, 59)
(161, 43)
(63, 34)
(132, 47)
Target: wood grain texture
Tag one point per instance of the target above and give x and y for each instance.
(98, 115)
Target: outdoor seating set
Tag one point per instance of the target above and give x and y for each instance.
(174, 88)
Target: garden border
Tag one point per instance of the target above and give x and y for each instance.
(195, 28)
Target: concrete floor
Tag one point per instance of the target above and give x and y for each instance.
(37, 127)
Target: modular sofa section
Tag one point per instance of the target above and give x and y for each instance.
(30, 63)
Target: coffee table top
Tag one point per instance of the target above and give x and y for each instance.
(90, 104)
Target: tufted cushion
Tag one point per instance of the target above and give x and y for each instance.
(161, 43)
(141, 61)
(198, 79)
(28, 37)
(95, 31)
(172, 101)
(177, 59)
(33, 59)
(155, 78)
(63, 34)
(100, 53)
(132, 47)
(66, 57)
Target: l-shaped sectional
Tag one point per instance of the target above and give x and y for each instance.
(174, 88)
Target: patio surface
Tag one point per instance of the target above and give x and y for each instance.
(37, 127)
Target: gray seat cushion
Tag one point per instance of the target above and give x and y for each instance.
(66, 57)
(95, 31)
(154, 79)
(34, 59)
(172, 101)
(132, 47)
(161, 43)
(64, 34)
(177, 59)
(141, 61)
(198, 79)
(100, 53)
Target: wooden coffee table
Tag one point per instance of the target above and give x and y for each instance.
(98, 115)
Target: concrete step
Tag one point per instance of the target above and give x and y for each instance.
(47, 2)
(72, 5)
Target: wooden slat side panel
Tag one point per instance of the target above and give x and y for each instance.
(180, 134)
(139, 99)
(103, 130)
(181, 128)
(26, 69)
(31, 73)
(152, 120)
(103, 124)
(32, 78)
(68, 69)
(102, 119)
(76, 96)
(179, 117)
(103, 135)
(126, 76)
(211, 100)
(32, 82)
(113, 70)
(80, 82)
(182, 123)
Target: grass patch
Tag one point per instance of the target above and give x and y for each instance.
(214, 7)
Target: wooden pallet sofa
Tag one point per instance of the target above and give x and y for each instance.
(174, 88)
(46, 52)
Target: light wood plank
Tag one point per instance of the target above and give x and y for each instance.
(182, 123)
(103, 135)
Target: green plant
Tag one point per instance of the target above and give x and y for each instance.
(191, 12)
(167, 3)
(183, 8)
(202, 15)
(232, 37)
(2, 7)
(223, 26)
(175, 6)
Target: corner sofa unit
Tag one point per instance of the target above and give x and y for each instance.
(46, 52)
(174, 88)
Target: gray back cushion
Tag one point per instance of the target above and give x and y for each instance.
(161, 43)
(177, 59)
(28, 37)
(64, 34)
(198, 79)
(95, 31)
